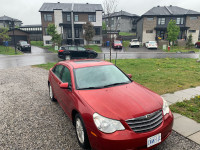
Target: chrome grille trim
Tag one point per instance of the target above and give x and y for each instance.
(146, 123)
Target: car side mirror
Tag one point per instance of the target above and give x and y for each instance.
(64, 85)
(129, 75)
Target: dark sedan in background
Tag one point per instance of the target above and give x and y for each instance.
(68, 52)
(23, 46)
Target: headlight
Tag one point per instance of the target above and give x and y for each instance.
(107, 125)
(165, 107)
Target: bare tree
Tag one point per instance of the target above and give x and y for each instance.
(109, 8)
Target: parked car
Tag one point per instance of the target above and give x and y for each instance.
(151, 44)
(117, 44)
(197, 44)
(134, 43)
(107, 108)
(68, 52)
(23, 46)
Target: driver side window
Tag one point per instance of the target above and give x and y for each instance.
(81, 49)
(66, 77)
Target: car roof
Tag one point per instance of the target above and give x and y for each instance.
(82, 63)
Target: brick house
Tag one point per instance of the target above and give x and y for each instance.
(121, 21)
(69, 19)
(153, 23)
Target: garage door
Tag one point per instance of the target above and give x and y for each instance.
(18, 38)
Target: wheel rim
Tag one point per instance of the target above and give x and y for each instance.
(50, 92)
(79, 130)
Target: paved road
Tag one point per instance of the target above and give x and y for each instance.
(29, 120)
(37, 56)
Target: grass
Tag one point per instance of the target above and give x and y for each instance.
(126, 34)
(94, 47)
(45, 66)
(40, 44)
(189, 108)
(160, 75)
(9, 51)
(181, 49)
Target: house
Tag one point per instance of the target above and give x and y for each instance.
(153, 24)
(35, 31)
(122, 21)
(69, 19)
(7, 22)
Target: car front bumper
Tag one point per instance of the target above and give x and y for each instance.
(129, 140)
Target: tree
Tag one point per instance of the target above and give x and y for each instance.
(109, 8)
(89, 31)
(104, 26)
(56, 38)
(172, 31)
(189, 43)
(4, 34)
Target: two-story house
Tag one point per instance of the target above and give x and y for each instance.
(7, 22)
(69, 19)
(153, 24)
(121, 21)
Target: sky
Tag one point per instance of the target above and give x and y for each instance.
(28, 10)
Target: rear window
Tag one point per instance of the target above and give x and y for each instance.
(118, 42)
(152, 42)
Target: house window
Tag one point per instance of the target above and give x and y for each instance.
(48, 42)
(75, 17)
(149, 31)
(76, 33)
(179, 21)
(69, 33)
(68, 17)
(97, 31)
(149, 18)
(161, 21)
(96, 42)
(192, 31)
(45, 31)
(92, 18)
(48, 17)
(193, 18)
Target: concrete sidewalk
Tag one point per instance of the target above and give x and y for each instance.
(183, 125)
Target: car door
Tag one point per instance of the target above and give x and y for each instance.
(55, 80)
(66, 95)
(73, 51)
(82, 52)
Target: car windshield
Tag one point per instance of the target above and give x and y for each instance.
(24, 43)
(135, 40)
(117, 42)
(99, 77)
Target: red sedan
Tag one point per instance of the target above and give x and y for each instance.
(108, 109)
(117, 44)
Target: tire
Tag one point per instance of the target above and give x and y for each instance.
(81, 133)
(67, 57)
(91, 56)
(51, 96)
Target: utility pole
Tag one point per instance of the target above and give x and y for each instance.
(13, 28)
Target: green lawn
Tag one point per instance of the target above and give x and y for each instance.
(160, 75)
(40, 44)
(188, 108)
(181, 49)
(94, 47)
(126, 34)
(9, 51)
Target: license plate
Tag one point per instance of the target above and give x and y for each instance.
(154, 140)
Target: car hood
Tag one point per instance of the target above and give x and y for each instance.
(122, 102)
(25, 44)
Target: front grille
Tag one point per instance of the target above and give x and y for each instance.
(146, 123)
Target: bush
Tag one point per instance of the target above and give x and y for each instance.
(37, 43)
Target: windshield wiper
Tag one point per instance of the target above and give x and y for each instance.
(88, 88)
(114, 84)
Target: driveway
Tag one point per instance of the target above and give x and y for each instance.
(29, 120)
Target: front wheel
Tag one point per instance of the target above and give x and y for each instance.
(51, 96)
(81, 132)
(91, 56)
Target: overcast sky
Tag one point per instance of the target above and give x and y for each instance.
(27, 10)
